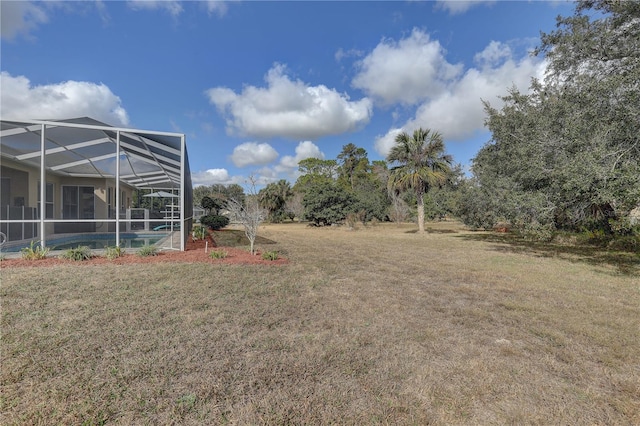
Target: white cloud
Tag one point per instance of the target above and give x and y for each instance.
(213, 176)
(458, 112)
(287, 168)
(304, 150)
(20, 17)
(252, 154)
(384, 143)
(407, 71)
(455, 7)
(343, 54)
(217, 7)
(69, 99)
(288, 108)
(173, 7)
(495, 53)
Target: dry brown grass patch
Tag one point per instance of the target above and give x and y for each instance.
(374, 326)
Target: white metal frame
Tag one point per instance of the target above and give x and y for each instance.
(169, 174)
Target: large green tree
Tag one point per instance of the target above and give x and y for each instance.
(566, 155)
(314, 171)
(418, 162)
(327, 203)
(357, 176)
(353, 165)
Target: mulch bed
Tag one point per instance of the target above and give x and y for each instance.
(194, 253)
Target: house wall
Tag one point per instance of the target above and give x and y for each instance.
(24, 181)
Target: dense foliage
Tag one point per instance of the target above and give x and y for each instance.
(566, 155)
(219, 193)
(214, 221)
(212, 205)
(273, 198)
(327, 203)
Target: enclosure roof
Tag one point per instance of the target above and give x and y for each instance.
(84, 147)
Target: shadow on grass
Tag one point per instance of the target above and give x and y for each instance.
(430, 230)
(236, 238)
(625, 263)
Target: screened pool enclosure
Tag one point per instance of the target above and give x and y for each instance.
(81, 176)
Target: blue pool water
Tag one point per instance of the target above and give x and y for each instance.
(97, 241)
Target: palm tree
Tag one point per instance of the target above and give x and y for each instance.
(418, 163)
(273, 198)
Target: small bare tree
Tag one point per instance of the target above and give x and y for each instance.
(399, 209)
(294, 205)
(248, 213)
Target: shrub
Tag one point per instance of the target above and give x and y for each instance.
(114, 252)
(34, 252)
(270, 255)
(218, 254)
(149, 250)
(79, 253)
(214, 222)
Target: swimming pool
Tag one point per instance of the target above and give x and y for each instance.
(96, 241)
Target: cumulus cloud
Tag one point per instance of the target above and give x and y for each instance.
(253, 154)
(455, 7)
(289, 108)
(69, 99)
(384, 143)
(304, 150)
(20, 17)
(494, 54)
(407, 71)
(174, 8)
(458, 112)
(286, 167)
(213, 176)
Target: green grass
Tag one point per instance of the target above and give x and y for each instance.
(375, 326)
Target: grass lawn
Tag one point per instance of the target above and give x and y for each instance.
(375, 326)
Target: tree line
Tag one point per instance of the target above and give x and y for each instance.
(352, 188)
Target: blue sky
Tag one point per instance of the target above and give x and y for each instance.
(258, 86)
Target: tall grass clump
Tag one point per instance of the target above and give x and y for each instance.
(114, 252)
(34, 252)
(78, 254)
(270, 255)
(148, 250)
(218, 254)
(199, 233)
